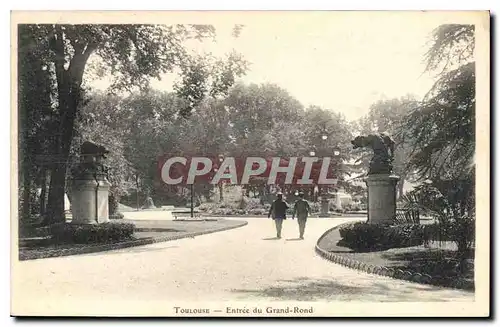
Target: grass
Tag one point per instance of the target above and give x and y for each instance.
(38, 244)
(438, 262)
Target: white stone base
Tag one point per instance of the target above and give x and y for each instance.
(324, 207)
(381, 197)
(84, 208)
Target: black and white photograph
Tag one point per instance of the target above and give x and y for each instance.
(250, 164)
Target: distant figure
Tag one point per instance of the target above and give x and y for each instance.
(302, 209)
(148, 203)
(278, 211)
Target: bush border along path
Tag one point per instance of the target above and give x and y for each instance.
(121, 245)
(405, 275)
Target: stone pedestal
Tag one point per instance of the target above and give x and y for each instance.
(338, 202)
(90, 201)
(325, 207)
(381, 197)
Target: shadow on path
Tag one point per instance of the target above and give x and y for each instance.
(294, 239)
(314, 289)
(271, 239)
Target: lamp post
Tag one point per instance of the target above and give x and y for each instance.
(192, 200)
(312, 154)
(221, 191)
(325, 203)
(324, 137)
(338, 203)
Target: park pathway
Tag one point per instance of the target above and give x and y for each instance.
(243, 264)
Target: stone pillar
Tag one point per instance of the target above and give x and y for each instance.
(325, 206)
(90, 192)
(90, 201)
(338, 202)
(381, 197)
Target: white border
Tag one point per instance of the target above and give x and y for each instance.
(183, 5)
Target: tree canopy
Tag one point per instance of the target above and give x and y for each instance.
(130, 54)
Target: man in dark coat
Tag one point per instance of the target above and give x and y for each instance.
(278, 211)
(302, 210)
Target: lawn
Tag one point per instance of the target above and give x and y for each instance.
(440, 261)
(36, 244)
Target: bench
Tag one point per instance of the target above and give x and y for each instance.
(185, 212)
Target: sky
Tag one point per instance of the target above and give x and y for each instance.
(340, 61)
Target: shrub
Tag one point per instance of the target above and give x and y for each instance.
(315, 206)
(253, 203)
(363, 236)
(258, 212)
(406, 235)
(452, 204)
(87, 234)
(460, 231)
(116, 215)
(206, 207)
(407, 216)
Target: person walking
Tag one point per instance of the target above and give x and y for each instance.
(278, 211)
(302, 209)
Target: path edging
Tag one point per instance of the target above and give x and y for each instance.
(406, 275)
(126, 244)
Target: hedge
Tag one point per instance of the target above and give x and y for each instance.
(362, 236)
(85, 234)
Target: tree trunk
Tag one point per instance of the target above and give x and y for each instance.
(43, 193)
(137, 191)
(55, 205)
(221, 193)
(26, 208)
(113, 204)
(69, 83)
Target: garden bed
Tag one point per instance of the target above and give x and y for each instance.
(439, 264)
(146, 232)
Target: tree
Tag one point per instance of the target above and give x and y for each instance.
(130, 53)
(441, 130)
(36, 118)
(254, 110)
(320, 123)
(103, 120)
(205, 76)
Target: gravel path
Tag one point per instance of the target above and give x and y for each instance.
(240, 264)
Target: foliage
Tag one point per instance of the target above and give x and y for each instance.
(408, 215)
(102, 121)
(149, 121)
(116, 215)
(451, 45)
(460, 231)
(206, 76)
(455, 221)
(374, 237)
(441, 130)
(86, 234)
(130, 54)
(37, 127)
(441, 134)
(315, 206)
